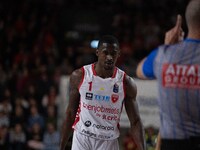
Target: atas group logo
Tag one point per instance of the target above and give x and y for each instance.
(89, 96)
(182, 76)
(88, 123)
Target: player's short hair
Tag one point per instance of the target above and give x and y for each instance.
(192, 13)
(110, 39)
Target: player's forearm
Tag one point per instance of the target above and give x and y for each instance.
(137, 131)
(66, 131)
(65, 135)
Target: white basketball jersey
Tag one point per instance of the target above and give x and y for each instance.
(101, 102)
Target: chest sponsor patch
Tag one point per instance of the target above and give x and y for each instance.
(87, 123)
(114, 98)
(116, 88)
(182, 76)
(89, 96)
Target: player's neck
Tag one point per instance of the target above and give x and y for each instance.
(103, 73)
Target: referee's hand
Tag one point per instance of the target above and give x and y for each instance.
(175, 34)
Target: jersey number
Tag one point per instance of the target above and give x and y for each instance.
(90, 86)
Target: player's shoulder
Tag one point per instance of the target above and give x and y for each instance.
(77, 74)
(130, 86)
(76, 77)
(129, 82)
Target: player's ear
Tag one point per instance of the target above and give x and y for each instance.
(97, 52)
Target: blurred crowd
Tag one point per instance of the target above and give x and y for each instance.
(41, 40)
(150, 136)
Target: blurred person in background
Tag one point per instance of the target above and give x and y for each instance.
(128, 142)
(150, 137)
(18, 117)
(176, 66)
(97, 94)
(4, 137)
(51, 114)
(17, 137)
(4, 118)
(50, 98)
(35, 137)
(35, 117)
(51, 138)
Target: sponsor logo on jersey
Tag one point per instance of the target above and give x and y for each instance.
(89, 96)
(102, 109)
(102, 98)
(102, 127)
(105, 136)
(116, 88)
(87, 123)
(102, 89)
(182, 76)
(91, 134)
(114, 98)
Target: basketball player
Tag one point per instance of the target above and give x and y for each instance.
(97, 94)
(177, 70)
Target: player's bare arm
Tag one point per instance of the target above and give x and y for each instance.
(72, 108)
(137, 130)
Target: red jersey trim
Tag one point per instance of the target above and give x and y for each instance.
(77, 117)
(118, 125)
(114, 73)
(124, 85)
(93, 70)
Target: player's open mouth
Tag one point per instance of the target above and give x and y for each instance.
(109, 63)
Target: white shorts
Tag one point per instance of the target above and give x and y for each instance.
(83, 142)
